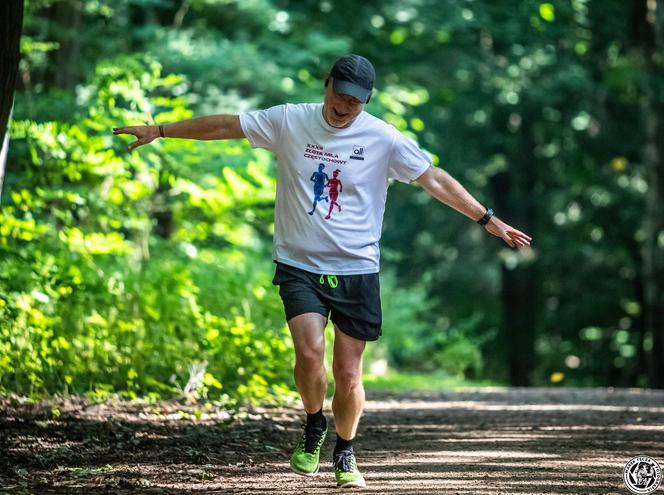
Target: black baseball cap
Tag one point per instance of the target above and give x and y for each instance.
(353, 75)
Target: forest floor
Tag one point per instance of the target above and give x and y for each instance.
(486, 440)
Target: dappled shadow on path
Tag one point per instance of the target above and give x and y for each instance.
(477, 441)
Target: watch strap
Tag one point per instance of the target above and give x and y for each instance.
(487, 216)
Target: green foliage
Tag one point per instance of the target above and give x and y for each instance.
(149, 273)
(123, 293)
(395, 381)
(411, 342)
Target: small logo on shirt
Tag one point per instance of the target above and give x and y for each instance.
(358, 153)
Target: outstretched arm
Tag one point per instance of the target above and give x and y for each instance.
(204, 128)
(447, 190)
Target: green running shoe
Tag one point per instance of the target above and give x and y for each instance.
(346, 472)
(304, 460)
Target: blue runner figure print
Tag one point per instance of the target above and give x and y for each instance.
(319, 179)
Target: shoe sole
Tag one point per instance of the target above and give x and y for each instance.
(303, 473)
(353, 484)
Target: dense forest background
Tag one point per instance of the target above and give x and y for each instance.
(149, 273)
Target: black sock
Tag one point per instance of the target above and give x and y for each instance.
(316, 420)
(342, 444)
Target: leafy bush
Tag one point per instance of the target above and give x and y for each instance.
(413, 341)
(120, 273)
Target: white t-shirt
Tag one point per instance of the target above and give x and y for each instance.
(331, 184)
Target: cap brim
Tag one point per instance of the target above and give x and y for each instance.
(349, 88)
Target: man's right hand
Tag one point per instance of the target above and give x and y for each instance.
(144, 133)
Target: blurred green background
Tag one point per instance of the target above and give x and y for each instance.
(149, 274)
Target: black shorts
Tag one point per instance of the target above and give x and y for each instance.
(352, 301)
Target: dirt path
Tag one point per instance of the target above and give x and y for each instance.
(505, 441)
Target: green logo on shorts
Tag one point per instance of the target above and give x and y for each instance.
(332, 281)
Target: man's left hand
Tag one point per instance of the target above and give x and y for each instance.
(513, 237)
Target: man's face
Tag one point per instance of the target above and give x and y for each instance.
(340, 110)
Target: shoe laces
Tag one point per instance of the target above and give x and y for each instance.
(345, 461)
(311, 438)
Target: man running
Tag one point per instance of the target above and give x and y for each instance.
(319, 179)
(336, 187)
(330, 269)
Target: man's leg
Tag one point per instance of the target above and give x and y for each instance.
(316, 199)
(348, 401)
(308, 332)
(347, 405)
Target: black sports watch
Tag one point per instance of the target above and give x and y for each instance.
(487, 216)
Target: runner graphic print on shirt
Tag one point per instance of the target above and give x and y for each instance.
(319, 179)
(336, 187)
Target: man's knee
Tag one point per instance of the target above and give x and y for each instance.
(310, 359)
(347, 375)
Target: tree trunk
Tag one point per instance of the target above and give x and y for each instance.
(653, 249)
(66, 18)
(518, 323)
(646, 34)
(162, 210)
(513, 193)
(11, 13)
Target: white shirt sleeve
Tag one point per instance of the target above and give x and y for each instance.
(263, 127)
(407, 161)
